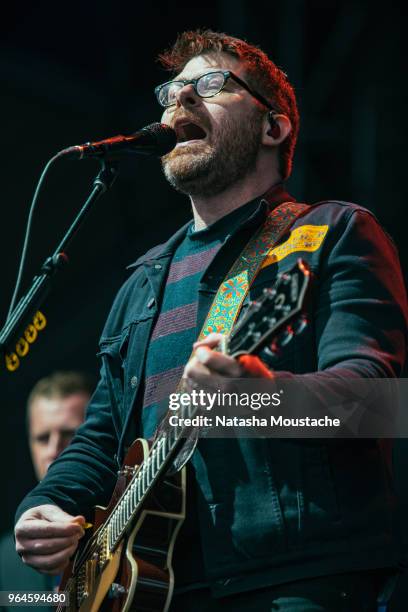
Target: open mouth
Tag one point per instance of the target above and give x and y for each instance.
(189, 131)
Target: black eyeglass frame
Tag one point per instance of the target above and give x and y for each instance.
(227, 75)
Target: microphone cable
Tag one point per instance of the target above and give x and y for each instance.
(28, 232)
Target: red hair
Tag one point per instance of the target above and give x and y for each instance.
(262, 74)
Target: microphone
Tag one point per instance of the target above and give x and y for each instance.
(154, 139)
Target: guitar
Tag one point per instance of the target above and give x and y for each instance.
(125, 562)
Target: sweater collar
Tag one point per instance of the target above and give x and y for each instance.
(276, 195)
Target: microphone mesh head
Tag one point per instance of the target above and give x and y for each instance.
(164, 136)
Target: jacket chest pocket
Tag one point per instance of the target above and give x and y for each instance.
(113, 352)
(124, 357)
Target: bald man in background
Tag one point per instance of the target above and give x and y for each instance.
(55, 410)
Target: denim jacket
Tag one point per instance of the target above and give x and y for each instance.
(270, 510)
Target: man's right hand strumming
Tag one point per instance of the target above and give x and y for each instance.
(46, 537)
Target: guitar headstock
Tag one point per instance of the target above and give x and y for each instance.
(276, 317)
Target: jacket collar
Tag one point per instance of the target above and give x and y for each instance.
(276, 195)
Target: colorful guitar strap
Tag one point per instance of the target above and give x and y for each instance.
(236, 284)
(233, 290)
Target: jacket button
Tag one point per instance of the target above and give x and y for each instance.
(133, 382)
(158, 266)
(150, 303)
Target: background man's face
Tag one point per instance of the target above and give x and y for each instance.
(52, 424)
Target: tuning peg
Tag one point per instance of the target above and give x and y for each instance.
(300, 324)
(275, 346)
(286, 336)
(269, 292)
(284, 278)
(272, 350)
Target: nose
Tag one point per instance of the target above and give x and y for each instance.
(187, 96)
(56, 445)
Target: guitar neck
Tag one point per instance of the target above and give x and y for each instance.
(144, 480)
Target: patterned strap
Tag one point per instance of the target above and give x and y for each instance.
(234, 288)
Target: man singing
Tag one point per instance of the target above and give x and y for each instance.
(271, 524)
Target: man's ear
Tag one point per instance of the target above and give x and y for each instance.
(275, 129)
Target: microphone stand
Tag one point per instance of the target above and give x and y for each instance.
(21, 329)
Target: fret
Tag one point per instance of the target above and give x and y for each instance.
(110, 532)
(126, 510)
(154, 459)
(113, 528)
(147, 469)
(154, 470)
(122, 516)
(143, 474)
(163, 448)
(126, 513)
(134, 500)
(158, 458)
(123, 520)
(144, 486)
(153, 467)
(139, 487)
(130, 497)
(120, 520)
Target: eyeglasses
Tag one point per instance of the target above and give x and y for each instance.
(205, 86)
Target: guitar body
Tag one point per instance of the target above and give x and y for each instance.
(137, 575)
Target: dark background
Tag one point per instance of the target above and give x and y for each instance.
(77, 71)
